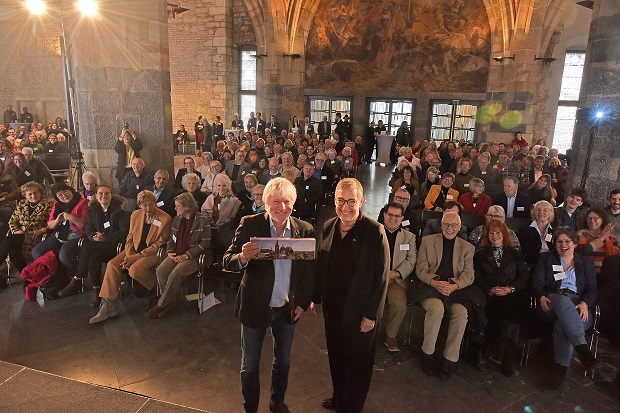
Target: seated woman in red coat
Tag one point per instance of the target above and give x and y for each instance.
(475, 202)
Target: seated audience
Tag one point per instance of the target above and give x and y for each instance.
(164, 196)
(559, 178)
(325, 174)
(245, 195)
(221, 206)
(190, 167)
(191, 184)
(612, 210)
(237, 170)
(475, 202)
(54, 146)
(397, 173)
(27, 225)
(20, 170)
(541, 190)
(272, 172)
(149, 228)
(463, 176)
(568, 214)
(494, 212)
(559, 293)
(595, 237)
(205, 167)
(134, 182)
(432, 178)
(409, 222)
(190, 237)
(402, 258)
(440, 194)
(441, 279)
(502, 274)
(408, 181)
(514, 203)
(107, 225)
(90, 181)
(309, 192)
(208, 185)
(536, 238)
(66, 222)
(33, 143)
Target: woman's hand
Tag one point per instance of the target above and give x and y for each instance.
(582, 309)
(607, 231)
(545, 304)
(366, 325)
(129, 260)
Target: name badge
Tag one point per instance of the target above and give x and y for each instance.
(89, 197)
(242, 172)
(520, 208)
(137, 186)
(548, 237)
(332, 162)
(405, 223)
(174, 238)
(559, 276)
(404, 247)
(307, 186)
(26, 173)
(106, 224)
(483, 172)
(160, 204)
(50, 150)
(403, 187)
(557, 268)
(466, 185)
(324, 178)
(439, 176)
(449, 197)
(157, 223)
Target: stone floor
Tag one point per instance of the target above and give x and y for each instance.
(193, 360)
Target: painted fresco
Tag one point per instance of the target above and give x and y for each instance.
(401, 45)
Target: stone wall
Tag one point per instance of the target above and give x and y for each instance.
(203, 74)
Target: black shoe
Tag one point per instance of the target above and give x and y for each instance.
(329, 404)
(427, 364)
(445, 370)
(74, 287)
(279, 408)
(586, 358)
(557, 374)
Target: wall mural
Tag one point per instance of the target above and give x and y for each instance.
(401, 45)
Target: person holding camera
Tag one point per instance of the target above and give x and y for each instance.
(128, 147)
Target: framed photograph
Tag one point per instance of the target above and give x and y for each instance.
(285, 248)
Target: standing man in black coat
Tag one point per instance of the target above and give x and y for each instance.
(325, 128)
(309, 191)
(218, 129)
(260, 123)
(352, 279)
(273, 294)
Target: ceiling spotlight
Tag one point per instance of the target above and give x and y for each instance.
(88, 7)
(500, 59)
(174, 9)
(35, 6)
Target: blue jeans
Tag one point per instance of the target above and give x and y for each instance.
(251, 346)
(568, 328)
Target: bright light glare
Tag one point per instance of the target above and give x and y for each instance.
(599, 114)
(35, 6)
(88, 7)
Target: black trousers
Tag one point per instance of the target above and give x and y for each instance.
(92, 255)
(11, 246)
(351, 356)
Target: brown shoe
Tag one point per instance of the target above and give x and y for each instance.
(73, 287)
(392, 344)
(154, 311)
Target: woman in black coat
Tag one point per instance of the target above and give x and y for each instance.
(502, 274)
(128, 147)
(536, 238)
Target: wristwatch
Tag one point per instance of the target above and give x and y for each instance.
(512, 289)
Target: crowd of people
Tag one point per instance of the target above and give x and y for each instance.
(272, 181)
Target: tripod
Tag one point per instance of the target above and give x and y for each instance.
(78, 169)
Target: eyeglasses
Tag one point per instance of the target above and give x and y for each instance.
(491, 216)
(390, 215)
(400, 198)
(593, 218)
(448, 225)
(350, 202)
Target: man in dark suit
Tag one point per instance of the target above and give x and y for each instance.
(237, 169)
(352, 274)
(236, 123)
(218, 129)
(260, 123)
(309, 191)
(273, 294)
(325, 128)
(252, 121)
(165, 196)
(410, 221)
(325, 175)
(515, 203)
(273, 126)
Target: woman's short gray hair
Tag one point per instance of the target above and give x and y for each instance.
(497, 210)
(187, 177)
(187, 200)
(90, 176)
(145, 196)
(547, 206)
(280, 186)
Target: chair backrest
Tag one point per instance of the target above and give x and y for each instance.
(516, 224)
(56, 161)
(472, 221)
